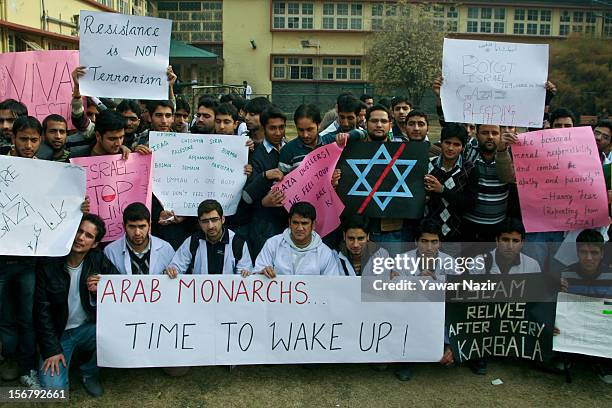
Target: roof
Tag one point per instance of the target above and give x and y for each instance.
(179, 49)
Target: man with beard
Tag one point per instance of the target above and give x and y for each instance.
(110, 130)
(138, 252)
(55, 132)
(10, 109)
(205, 116)
(253, 109)
(481, 221)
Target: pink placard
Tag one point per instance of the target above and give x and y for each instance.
(311, 182)
(39, 79)
(560, 180)
(113, 184)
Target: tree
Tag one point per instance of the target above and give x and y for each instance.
(406, 54)
(580, 67)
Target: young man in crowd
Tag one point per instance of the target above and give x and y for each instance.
(356, 253)
(138, 252)
(130, 109)
(367, 99)
(214, 249)
(181, 116)
(307, 119)
(562, 118)
(603, 138)
(64, 307)
(27, 135)
(252, 117)
(452, 183)
(110, 130)
(590, 276)
(53, 147)
(226, 119)
(268, 217)
(348, 109)
(299, 250)
(10, 109)
(400, 107)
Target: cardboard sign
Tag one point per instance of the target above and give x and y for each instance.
(560, 180)
(585, 325)
(41, 80)
(483, 323)
(384, 179)
(494, 82)
(191, 168)
(148, 321)
(126, 56)
(40, 206)
(311, 182)
(113, 184)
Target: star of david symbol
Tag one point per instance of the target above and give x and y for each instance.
(382, 198)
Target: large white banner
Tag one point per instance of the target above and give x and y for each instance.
(148, 321)
(190, 168)
(585, 325)
(492, 82)
(40, 206)
(126, 56)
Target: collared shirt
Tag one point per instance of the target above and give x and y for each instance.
(292, 154)
(439, 163)
(334, 127)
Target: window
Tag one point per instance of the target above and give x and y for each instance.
(194, 21)
(519, 28)
(472, 12)
(564, 29)
(532, 29)
(488, 19)
(472, 26)
(452, 12)
(292, 15)
(500, 14)
(344, 16)
(607, 25)
(545, 15)
(485, 27)
(532, 15)
(519, 14)
(545, 29)
(319, 68)
(123, 7)
(485, 13)
(565, 16)
(499, 28)
(578, 16)
(581, 22)
(444, 17)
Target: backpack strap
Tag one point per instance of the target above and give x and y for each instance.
(237, 247)
(194, 243)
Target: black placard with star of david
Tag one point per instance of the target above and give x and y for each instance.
(383, 180)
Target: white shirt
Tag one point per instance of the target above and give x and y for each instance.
(76, 313)
(161, 255)
(242, 129)
(248, 92)
(526, 265)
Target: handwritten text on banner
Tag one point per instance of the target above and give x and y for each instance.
(40, 206)
(41, 80)
(192, 168)
(311, 182)
(494, 82)
(224, 320)
(113, 184)
(560, 180)
(126, 56)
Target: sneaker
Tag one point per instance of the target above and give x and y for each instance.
(92, 386)
(404, 373)
(8, 370)
(605, 374)
(31, 380)
(478, 366)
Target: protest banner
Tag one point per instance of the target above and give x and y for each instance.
(113, 184)
(585, 325)
(512, 318)
(311, 182)
(148, 321)
(384, 179)
(126, 56)
(191, 168)
(561, 187)
(40, 206)
(41, 80)
(495, 83)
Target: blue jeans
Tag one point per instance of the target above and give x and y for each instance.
(82, 337)
(22, 279)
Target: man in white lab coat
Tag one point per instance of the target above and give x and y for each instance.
(138, 252)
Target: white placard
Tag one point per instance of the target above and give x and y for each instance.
(190, 168)
(40, 206)
(225, 320)
(584, 325)
(490, 82)
(126, 56)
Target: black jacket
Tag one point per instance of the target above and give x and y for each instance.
(51, 297)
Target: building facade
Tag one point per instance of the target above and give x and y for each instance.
(311, 50)
(27, 25)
